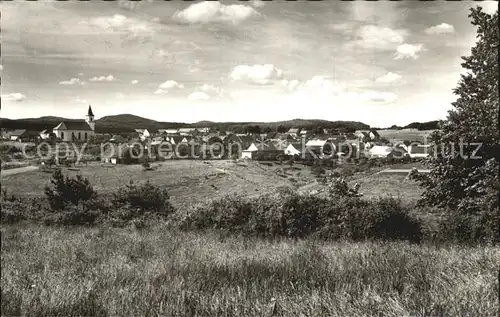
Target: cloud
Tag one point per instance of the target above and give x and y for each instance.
(211, 90)
(256, 74)
(130, 28)
(388, 78)
(161, 92)
(290, 85)
(15, 96)
(169, 84)
(257, 3)
(1, 67)
(198, 95)
(376, 37)
(133, 82)
(214, 11)
(408, 51)
(120, 95)
(442, 28)
(206, 92)
(103, 78)
(79, 100)
(72, 81)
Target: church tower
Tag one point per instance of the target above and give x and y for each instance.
(89, 118)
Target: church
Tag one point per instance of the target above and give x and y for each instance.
(76, 130)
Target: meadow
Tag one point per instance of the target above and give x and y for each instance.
(193, 181)
(161, 272)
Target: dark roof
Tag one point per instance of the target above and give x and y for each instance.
(18, 132)
(73, 125)
(90, 113)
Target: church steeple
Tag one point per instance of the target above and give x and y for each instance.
(90, 118)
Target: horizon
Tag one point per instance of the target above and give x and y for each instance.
(381, 64)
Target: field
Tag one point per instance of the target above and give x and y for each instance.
(410, 135)
(160, 272)
(190, 182)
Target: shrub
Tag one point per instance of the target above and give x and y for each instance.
(289, 214)
(145, 197)
(67, 190)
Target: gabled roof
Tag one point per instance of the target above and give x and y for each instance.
(261, 146)
(316, 142)
(73, 125)
(293, 130)
(17, 132)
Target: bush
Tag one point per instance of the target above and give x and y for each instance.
(463, 227)
(145, 197)
(68, 191)
(289, 214)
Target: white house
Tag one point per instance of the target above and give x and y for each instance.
(143, 134)
(293, 149)
(80, 130)
(321, 146)
(44, 135)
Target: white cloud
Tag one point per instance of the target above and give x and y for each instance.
(376, 37)
(257, 3)
(169, 84)
(161, 92)
(407, 51)
(257, 74)
(198, 95)
(211, 90)
(130, 28)
(388, 78)
(1, 67)
(72, 81)
(120, 95)
(79, 100)
(133, 82)
(442, 28)
(80, 74)
(290, 85)
(103, 78)
(214, 11)
(15, 96)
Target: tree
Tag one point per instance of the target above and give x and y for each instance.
(465, 160)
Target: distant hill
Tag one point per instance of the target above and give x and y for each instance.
(129, 122)
(430, 125)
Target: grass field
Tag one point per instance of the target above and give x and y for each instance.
(187, 181)
(159, 272)
(190, 182)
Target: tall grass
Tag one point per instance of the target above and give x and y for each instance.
(49, 271)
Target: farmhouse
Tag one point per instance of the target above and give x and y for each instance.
(45, 134)
(76, 129)
(261, 151)
(293, 132)
(382, 151)
(321, 147)
(186, 131)
(294, 148)
(367, 135)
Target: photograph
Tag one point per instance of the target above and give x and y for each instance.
(249, 158)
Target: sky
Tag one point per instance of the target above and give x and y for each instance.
(381, 63)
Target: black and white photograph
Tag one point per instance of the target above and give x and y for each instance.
(249, 158)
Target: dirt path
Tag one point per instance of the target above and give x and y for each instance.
(19, 170)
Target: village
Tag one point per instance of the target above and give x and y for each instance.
(298, 144)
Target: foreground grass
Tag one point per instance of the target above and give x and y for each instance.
(110, 272)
